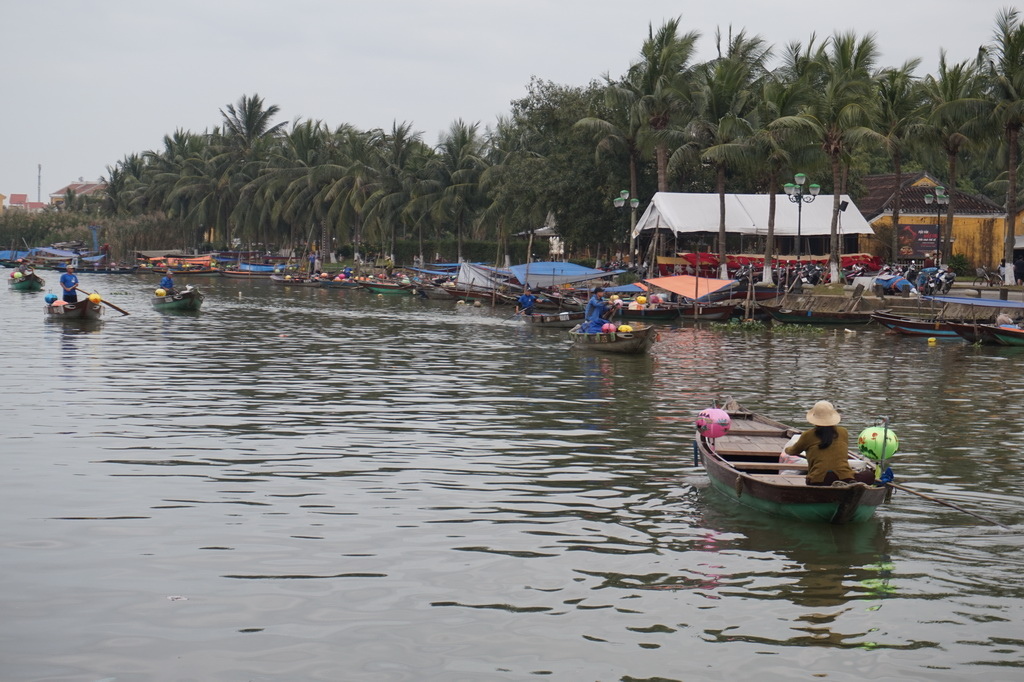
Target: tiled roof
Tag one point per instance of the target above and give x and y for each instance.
(18, 199)
(80, 188)
(880, 190)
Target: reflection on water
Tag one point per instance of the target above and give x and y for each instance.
(297, 482)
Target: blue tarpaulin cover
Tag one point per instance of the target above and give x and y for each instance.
(554, 273)
(983, 302)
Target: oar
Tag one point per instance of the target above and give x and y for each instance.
(518, 312)
(103, 300)
(945, 503)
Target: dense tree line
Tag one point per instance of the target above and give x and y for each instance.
(743, 122)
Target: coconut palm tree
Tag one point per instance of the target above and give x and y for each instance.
(899, 122)
(453, 193)
(724, 104)
(775, 148)
(840, 112)
(1005, 60)
(659, 84)
(953, 123)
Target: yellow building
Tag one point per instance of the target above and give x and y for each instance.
(978, 222)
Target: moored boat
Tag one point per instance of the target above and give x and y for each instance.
(743, 465)
(84, 309)
(563, 320)
(246, 274)
(382, 287)
(1006, 335)
(975, 332)
(809, 309)
(707, 311)
(345, 283)
(634, 342)
(189, 298)
(111, 270)
(295, 280)
(909, 326)
(648, 313)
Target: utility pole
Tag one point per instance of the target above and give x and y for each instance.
(39, 185)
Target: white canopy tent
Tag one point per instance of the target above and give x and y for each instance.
(747, 214)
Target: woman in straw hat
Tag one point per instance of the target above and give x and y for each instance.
(827, 448)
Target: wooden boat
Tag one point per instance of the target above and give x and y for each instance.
(383, 287)
(29, 281)
(909, 326)
(84, 309)
(744, 466)
(340, 284)
(654, 313)
(975, 332)
(191, 272)
(295, 280)
(812, 316)
(707, 312)
(189, 298)
(635, 342)
(563, 320)
(818, 309)
(432, 291)
(86, 270)
(1005, 334)
(245, 274)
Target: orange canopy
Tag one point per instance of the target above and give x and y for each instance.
(690, 286)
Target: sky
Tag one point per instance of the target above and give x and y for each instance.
(87, 83)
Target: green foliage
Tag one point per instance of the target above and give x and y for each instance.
(960, 265)
(736, 324)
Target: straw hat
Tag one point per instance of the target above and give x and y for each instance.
(823, 414)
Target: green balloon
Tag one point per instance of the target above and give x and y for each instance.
(878, 443)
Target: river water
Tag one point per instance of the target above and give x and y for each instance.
(302, 484)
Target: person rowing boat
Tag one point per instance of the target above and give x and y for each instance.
(69, 284)
(596, 312)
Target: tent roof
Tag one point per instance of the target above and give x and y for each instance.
(747, 214)
(690, 286)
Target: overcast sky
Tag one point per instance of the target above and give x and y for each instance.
(86, 83)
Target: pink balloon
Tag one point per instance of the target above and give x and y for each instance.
(713, 422)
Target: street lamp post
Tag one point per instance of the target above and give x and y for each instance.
(620, 203)
(940, 199)
(795, 192)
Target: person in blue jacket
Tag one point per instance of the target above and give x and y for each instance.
(595, 312)
(526, 302)
(69, 284)
(167, 282)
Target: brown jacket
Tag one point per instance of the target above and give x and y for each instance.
(821, 461)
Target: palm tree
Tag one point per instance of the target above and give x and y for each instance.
(249, 123)
(899, 120)
(724, 104)
(1005, 57)
(952, 99)
(839, 113)
(454, 194)
(774, 147)
(658, 83)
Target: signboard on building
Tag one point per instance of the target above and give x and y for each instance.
(917, 241)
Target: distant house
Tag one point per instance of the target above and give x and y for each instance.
(978, 222)
(80, 189)
(20, 202)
